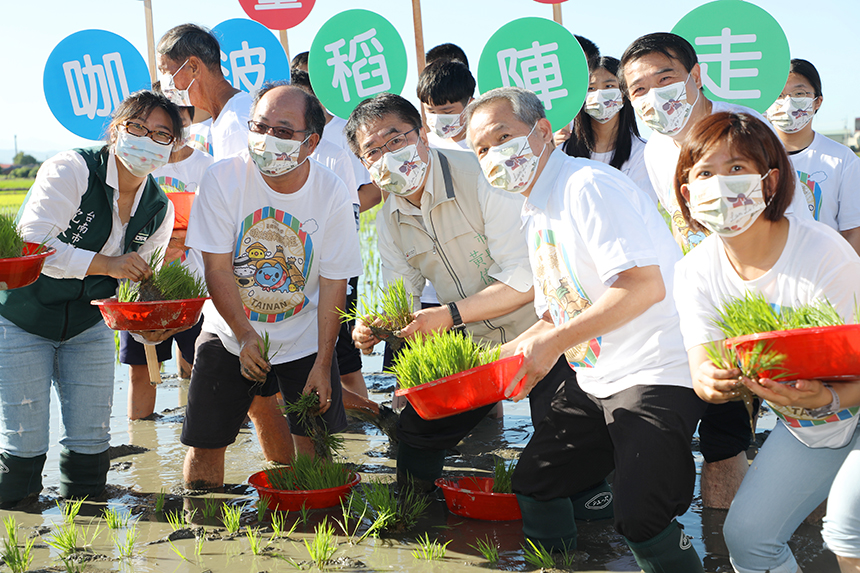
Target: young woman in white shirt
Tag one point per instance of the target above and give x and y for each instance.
(735, 179)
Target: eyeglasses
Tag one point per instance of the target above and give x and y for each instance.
(397, 142)
(796, 94)
(279, 132)
(138, 130)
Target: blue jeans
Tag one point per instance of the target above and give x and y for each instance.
(81, 370)
(785, 483)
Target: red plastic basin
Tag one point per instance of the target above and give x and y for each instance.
(465, 390)
(473, 497)
(155, 315)
(821, 353)
(284, 500)
(181, 209)
(24, 270)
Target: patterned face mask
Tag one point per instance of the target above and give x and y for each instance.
(399, 172)
(272, 155)
(791, 114)
(140, 155)
(512, 165)
(602, 105)
(727, 205)
(666, 109)
(445, 125)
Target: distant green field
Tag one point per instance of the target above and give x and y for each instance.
(11, 200)
(16, 183)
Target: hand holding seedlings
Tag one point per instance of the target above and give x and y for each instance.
(130, 266)
(254, 366)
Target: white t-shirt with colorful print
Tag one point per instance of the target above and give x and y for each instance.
(816, 263)
(281, 245)
(586, 223)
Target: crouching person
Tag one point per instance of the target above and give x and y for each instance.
(278, 238)
(602, 260)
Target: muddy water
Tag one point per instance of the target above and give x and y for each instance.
(149, 461)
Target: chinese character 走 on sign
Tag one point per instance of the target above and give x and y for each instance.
(90, 82)
(725, 57)
(343, 71)
(538, 71)
(241, 64)
(277, 4)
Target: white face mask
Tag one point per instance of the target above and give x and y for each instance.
(168, 88)
(512, 165)
(445, 125)
(399, 172)
(140, 155)
(274, 156)
(727, 205)
(666, 109)
(791, 114)
(602, 105)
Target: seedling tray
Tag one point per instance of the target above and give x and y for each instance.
(473, 497)
(21, 271)
(293, 500)
(155, 315)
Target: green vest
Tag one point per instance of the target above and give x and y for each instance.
(59, 309)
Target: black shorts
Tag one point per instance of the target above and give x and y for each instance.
(348, 356)
(132, 352)
(725, 431)
(219, 396)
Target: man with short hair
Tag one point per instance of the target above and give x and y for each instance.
(603, 263)
(446, 52)
(278, 238)
(445, 88)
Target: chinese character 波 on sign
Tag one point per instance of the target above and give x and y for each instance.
(534, 69)
(725, 57)
(91, 82)
(364, 85)
(277, 4)
(242, 64)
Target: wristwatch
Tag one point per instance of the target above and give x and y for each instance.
(455, 316)
(825, 411)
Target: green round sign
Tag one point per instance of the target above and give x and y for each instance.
(539, 55)
(742, 51)
(356, 55)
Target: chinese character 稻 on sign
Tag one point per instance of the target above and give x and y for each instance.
(92, 82)
(725, 57)
(349, 65)
(534, 69)
(241, 64)
(277, 4)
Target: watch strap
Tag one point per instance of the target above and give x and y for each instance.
(455, 316)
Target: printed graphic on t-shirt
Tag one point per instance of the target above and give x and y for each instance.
(200, 142)
(797, 417)
(690, 237)
(174, 185)
(564, 294)
(271, 262)
(812, 190)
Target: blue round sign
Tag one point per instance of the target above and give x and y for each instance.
(250, 54)
(86, 77)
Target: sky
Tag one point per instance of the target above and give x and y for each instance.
(823, 32)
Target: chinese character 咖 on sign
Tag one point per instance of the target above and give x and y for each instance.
(86, 83)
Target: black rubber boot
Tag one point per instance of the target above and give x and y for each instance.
(83, 475)
(670, 551)
(20, 478)
(421, 468)
(550, 523)
(593, 503)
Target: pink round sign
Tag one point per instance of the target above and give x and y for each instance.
(278, 14)
(550, 1)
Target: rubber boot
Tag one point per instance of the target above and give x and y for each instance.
(593, 503)
(670, 551)
(550, 523)
(421, 468)
(83, 475)
(20, 478)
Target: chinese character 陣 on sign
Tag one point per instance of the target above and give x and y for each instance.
(241, 65)
(342, 71)
(725, 57)
(277, 4)
(89, 82)
(538, 71)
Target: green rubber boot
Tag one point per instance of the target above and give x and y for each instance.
(594, 503)
(670, 551)
(420, 468)
(20, 478)
(550, 523)
(83, 475)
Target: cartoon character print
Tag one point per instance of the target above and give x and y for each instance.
(515, 161)
(408, 167)
(685, 233)
(811, 183)
(272, 273)
(244, 270)
(671, 106)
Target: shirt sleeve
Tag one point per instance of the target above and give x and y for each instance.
(52, 203)
(506, 241)
(394, 264)
(211, 225)
(848, 216)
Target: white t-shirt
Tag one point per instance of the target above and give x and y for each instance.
(281, 244)
(336, 159)
(183, 176)
(830, 175)
(229, 131)
(661, 158)
(816, 263)
(585, 224)
(447, 143)
(333, 132)
(634, 167)
(201, 136)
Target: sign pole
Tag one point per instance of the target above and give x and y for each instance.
(150, 38)
(282, 34)
(419, 34)
(556, 13)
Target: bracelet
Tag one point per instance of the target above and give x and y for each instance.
(825, 411)
(455, 316)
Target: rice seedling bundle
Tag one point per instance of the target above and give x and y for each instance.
(503, 472)
(429, 357)
(307, 473)
(386, 313)
(11, 241)
(172, 281)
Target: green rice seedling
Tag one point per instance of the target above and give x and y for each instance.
(752, 313)
(11, 241)
(308, 472)
(210, 507)
(179, 553)
(429, 357)
(70, 509)
(159, 502)
(265, 347)
(125, 546)
(255, 540)
(386, 314)
(394, 512)
(503, 472)
(262, 507)
(486, 548)
(305, 514)
(537, 556)
(350, 510)
(17, 557)
(323, 545)
(171, 281)
(175, 519)
(307, 409)
(115, 519)
(230, 516)
(89, 536)
(279, 524)
(198, 545)
(430, 550)
(72, 566)
(64, 539)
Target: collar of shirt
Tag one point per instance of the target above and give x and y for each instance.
(545, 182)
(112, 180)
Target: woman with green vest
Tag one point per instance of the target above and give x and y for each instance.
(104, 214)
